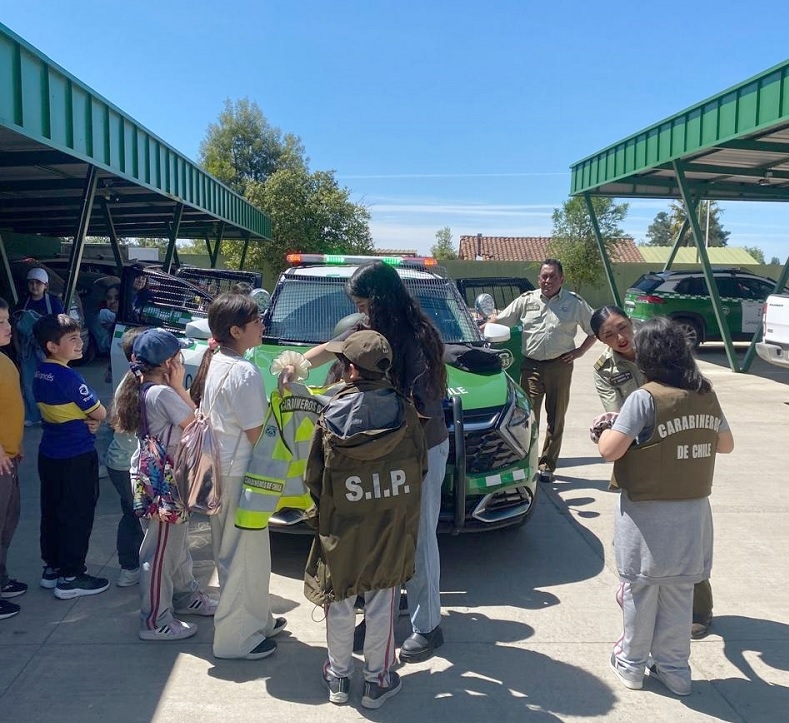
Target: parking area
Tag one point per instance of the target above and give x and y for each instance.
(529, 614)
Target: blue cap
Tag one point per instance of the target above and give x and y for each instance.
(156, 346)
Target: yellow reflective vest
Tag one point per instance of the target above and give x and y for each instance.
(275, 477)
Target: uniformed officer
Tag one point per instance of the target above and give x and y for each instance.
(616, 377)
(550, 316)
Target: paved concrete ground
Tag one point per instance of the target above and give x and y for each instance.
(529, 615)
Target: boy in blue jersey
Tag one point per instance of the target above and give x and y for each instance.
(68, 465)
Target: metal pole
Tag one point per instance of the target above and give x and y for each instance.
(79, 237)
(116, 251)
(173, 234)
(6, 267)
(677, 243)
(601, 247)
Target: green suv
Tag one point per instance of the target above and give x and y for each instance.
(684, 297)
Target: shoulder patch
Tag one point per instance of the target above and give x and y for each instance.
(600, 363)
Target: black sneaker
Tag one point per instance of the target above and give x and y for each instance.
(68, 588)
(13, 588)
(375, 696)
(8, 610)
(339, 688)
(49, 578)
(266, 647)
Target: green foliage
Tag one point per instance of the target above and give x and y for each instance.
(775, 260)
(659, 231)
(756, 252)
(574, 242)
(309, 210)
(443, 249)
(242, 147)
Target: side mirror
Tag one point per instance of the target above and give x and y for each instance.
(261, 297)
(198, 329)
(485, 306)
(496, 332)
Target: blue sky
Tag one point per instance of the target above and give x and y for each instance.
(433, 113)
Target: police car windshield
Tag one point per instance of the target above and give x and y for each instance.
(306, 309)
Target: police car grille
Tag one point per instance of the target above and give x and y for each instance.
(486, 451)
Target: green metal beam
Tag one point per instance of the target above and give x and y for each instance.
(712, 287)
(603, 251)
(114, 245)
(8, 276)
(214, 255)
(745, 144)
(677, 244)
(79, 236)
(244, 253)
(171, 253)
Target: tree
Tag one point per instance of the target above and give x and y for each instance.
(242, 147)
(659, 231)
(756, 252)
(309, 210)
(574, 242)
(718, 236)
(443, 249)
(775, 260)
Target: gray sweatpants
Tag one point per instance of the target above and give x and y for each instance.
(9, 515)
(380, 610)
(657, 620)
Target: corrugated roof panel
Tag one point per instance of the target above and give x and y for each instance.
(720, 255)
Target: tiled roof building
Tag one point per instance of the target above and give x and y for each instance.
(529, 248)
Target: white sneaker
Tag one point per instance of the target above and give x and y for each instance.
(200, 604)
(174, 630)
(628, 680)
(127, 578)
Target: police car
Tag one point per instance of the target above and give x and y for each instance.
(491, 478)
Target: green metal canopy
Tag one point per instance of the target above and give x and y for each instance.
(53, 128)
(731, 147)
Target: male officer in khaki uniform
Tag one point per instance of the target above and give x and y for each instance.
(550, 317)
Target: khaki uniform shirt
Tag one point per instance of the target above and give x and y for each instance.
(549, 325)
(615, 379)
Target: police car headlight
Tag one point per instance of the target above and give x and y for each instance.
(506, 358)
(515, 423)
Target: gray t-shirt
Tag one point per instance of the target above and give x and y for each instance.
(165, 411)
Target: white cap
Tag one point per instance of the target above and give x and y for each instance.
(38, 274)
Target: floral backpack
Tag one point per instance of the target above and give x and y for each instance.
(155, 491)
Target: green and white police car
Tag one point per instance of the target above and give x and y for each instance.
(491, 478)
(684, 297)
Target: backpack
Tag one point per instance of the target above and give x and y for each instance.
(196, 467)
(153, 484)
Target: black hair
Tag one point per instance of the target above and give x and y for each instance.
(554, 262)
(3, 304)
(603, 314)
(225, 311)
(664, 355)
(52, 328)
(397, 315)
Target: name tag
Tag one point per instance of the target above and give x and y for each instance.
(621, 378)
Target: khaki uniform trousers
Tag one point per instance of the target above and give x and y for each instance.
(549, 381)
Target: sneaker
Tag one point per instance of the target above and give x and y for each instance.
(49, 578)
(8, 610)
(265, 648)
(13, 588)
(200, 604)
(627, 679)
(676, 684)
(68, 588)
(375, 696)
(174, 630)
(339, 688)
(545, 475)
(127, 578)
(279, 625)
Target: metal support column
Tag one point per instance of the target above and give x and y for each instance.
(114, 245)
(8, 276)
(79, 237)
(173, 230)
(244, 251)
(677, 243)
(603, 252)
(690, 212)
(214, 255)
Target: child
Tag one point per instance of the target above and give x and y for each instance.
(230, 391)
(663, 528)
(364, 472)
(68, 465)
(154, 396)
(38, 302)
(118, 461)
(11, 429)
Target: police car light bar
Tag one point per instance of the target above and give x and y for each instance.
(329, 259)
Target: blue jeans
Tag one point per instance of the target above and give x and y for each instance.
(424, 599)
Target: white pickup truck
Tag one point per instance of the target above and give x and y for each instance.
(774, 347)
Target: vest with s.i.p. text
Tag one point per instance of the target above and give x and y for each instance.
(275, 476)
(678, 460)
